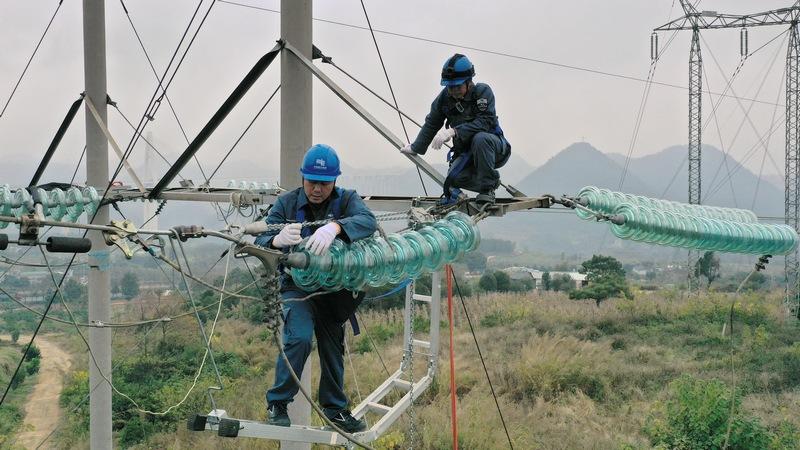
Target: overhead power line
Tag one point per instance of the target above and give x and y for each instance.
(498, 53)
(28, 64)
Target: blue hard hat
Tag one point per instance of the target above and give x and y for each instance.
(321, 163)
(456, 70)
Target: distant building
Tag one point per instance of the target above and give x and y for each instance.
(518, 273)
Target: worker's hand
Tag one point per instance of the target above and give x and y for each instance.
(289, 235)
(407, 150)
(442, 137)
(321, 240)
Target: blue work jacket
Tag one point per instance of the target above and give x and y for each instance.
(468, 116)
(345, 207)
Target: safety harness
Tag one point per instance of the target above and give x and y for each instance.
(337, 210)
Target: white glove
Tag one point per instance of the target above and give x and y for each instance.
(289, 235)
(442, 137)
(407, 150)
(321, 240)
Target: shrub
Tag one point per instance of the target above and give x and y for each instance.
(697, 415)
(33, 353)
(488, 282)
(135, 431)
(550, 366)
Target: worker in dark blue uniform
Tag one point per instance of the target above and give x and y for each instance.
(467, 112)
(322, 315)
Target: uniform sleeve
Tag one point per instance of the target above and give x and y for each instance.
(276, 215)
(358, 222)
(433, 123)
(485, 118)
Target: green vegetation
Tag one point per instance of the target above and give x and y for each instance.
(11, 410)
(606, 279)
(707, 414)
(654, 372)
(708, 267)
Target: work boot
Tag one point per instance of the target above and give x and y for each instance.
(279, 415)
(485, 197)
(344, 420)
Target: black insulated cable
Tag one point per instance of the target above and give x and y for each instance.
(28, 64)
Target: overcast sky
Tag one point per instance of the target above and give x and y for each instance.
(542, 107)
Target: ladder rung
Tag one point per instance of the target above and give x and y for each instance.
(418, 343)
(379, 408)
(422, 298)
(402, 384)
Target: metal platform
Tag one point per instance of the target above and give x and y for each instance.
(374, 404)
(386, 203)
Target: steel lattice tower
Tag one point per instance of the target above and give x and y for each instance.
(792, 144)
(695, 132)
(706, 20)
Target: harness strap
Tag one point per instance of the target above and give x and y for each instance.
(337, 208)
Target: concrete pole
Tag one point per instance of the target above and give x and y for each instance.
(296, 95)
(296, 138)
(94, 63)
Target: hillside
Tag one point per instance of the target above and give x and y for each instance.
(568, 375)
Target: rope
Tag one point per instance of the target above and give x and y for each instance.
(125, 118)
(111, 324)
(147, 116)
(493, 52)
(392, 291)
(483, 363)
(155, 73)
(746, 117)
(279, 342)
(208, 180)
(448, 270)
(391, 90)
(25, 70)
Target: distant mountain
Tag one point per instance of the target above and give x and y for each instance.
(667, 174)
(661, 175)
(577, 166)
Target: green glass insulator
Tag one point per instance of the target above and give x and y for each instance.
(377, 261)
(606, 201)
(58, 204)
(5, 203)
(401, 259)
(376, 251)
(437, 242)
(91, 201)
(421, 250)
(331, 265)
(74, 204)
(702, 233)
(472, 235)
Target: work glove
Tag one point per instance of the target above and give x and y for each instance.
(321, 240)
(442, 137)
(289, 235)
(407, 150)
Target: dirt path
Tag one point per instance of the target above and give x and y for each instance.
(42, 412)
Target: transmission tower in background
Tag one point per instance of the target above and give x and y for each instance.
(695, 21)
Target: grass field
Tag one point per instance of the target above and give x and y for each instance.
(569, 375)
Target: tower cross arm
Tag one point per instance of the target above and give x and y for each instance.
(711, 19)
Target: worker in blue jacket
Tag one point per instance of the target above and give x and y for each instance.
(467, 112)
(322, 315)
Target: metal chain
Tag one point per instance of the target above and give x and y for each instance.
(272, 304)
(385, 217)
(412, 432)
